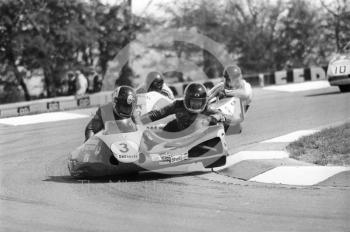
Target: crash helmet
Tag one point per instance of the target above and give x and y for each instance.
(233, 77)
(154, 81)
(124, 101)
(195, 97)
(70, 75)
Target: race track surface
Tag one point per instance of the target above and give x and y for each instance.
(37, 194)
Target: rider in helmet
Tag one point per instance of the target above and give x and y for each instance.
(121, 107)
(235, 86)
(155, 82)
(195, 101)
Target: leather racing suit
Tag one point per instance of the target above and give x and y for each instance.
(103, 114)
(184, 118)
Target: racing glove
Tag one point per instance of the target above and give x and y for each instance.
(221, 95)
(214, 119)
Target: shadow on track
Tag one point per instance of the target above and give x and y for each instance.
(324, 94)
(141, 177)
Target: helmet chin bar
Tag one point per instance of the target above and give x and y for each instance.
(156, 87)
(195, 111)
(122, 115)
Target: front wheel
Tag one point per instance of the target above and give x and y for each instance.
(344, 88)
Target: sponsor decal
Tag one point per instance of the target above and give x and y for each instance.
(53, 106)
(83, 101)
(156, 127)
(23, 110)
(173, 157)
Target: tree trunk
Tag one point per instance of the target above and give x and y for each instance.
(19, 77)
(103, 63)
(20, 80)
(48, 81)
(337, 32)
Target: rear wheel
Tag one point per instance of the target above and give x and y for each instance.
(344, 88)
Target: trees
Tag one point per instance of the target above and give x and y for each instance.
(13, 30)
(205, 17)
(61, 35)
(44, 34)
(267, 35)
(298, 34)
(261, 36)
(251, 32)
(115, 26)
(337, 26)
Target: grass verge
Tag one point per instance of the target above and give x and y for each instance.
(328, 147)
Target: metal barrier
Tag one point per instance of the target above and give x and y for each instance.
(97, 99)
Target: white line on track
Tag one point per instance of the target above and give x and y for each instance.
(298, 175)
(40, 118)
(291, 137)
(252, 155)
(296, 87)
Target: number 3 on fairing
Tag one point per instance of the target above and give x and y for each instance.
(125, 151)
(123, 147)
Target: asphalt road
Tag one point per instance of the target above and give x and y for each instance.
(36, 193)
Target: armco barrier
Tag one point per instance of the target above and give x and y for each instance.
(76, 102)
(54, 104)
(262, 79)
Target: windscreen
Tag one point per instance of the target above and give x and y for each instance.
(120, 126)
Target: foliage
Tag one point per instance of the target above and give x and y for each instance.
(261, 36)
(61, 35)
(337, 22)
(268, 35)
(206, 20)
(298, 34)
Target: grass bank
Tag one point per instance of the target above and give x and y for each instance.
(327, 147)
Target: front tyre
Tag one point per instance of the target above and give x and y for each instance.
(344, 88)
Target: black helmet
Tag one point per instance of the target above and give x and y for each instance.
(124, 101)
(154, 81)
(195, 99)
(233, 76)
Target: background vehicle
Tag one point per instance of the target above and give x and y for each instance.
(339, 70)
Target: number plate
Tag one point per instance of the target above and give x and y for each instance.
(341, 69)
